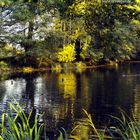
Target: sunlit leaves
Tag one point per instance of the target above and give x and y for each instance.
(67, 54)
(4, 3)
(136, 22)
(3, 64)
(111, 29)
(82, 7)
(135, 6)
(7, 51)
(7, 2)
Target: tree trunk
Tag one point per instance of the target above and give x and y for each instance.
(78, 50)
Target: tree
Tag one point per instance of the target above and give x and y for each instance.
(22, 23)
(97, 29)
(26, 24)
(109, 24)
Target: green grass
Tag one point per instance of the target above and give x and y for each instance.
(12, 130)
(127, 128)
(18, 127)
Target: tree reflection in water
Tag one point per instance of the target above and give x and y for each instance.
(62, 96)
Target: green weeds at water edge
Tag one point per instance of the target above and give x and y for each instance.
(12, 130)
(84, 134)
(126, 129)
(18, 127)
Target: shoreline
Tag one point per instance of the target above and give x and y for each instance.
(43, 69)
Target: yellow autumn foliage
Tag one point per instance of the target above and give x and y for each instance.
(81, 7)
(67, 54)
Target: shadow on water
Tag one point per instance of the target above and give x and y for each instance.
(60, 97)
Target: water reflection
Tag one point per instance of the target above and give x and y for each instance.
(81, 130)
(62, 96)
(67, 85)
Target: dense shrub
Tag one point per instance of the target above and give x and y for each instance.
(3, 64)
(67, 54)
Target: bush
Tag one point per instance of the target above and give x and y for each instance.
(3, 64)
(67, 54)
(80, 66)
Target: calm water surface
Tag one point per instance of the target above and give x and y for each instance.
(63, 96)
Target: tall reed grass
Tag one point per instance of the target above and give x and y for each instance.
(12, 129)
(126, 129)
(22, 126)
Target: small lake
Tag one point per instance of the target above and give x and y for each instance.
(62, 96)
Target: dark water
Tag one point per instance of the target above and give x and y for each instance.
(63, 96)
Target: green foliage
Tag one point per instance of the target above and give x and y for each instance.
(28, 17)
(4, 3)
(111, 30)
(94, 55)
(127, 128)
(17, 131)
(67, 54)
(11, 129)
(62, 6)
(105, 30)
(80, 67)
(43, 56)
(8, 50)
(82, 7)
(3, 65)
(3, 76)
(135, 6)
(122, 43)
